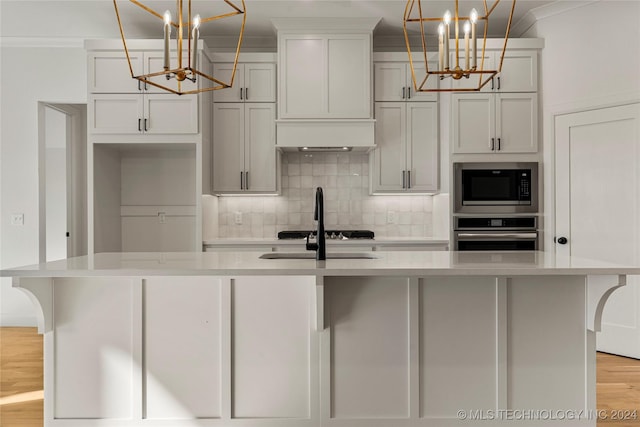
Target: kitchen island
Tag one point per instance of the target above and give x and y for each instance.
(429, 338)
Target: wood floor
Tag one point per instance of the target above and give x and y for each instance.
(21, 399)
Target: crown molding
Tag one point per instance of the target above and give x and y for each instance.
(546, 11)
(49, 42)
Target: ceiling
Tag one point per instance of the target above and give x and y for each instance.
(96, 18)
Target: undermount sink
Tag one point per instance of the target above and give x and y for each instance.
(312, 255)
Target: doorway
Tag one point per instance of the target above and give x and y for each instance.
(597, 207)
(62, 180)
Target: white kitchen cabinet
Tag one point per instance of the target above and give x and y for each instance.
(324, 76)
(149, 113)
(393, 82)
(253, 82)
(109, 72)
(244, 154)
(519, 72)
(406, 154)
(494, 123)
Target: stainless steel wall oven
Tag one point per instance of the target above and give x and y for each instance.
(495, 233)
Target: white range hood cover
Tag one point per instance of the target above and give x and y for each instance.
(325, 135)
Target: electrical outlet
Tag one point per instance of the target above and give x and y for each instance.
(237, 218)
(392, 217)
(17, 219)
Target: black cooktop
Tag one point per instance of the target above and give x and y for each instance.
(330, 234)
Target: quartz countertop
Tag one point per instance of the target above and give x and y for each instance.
(248, 241)
(405, 263)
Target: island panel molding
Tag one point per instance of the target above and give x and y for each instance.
(228, 339)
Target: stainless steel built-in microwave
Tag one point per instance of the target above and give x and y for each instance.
(509, 187)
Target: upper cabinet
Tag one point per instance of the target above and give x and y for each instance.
(325, 76)
(109, 72)
(253, 82)
(393, 81)
(325, 68)
(519, 72)
(494, 123)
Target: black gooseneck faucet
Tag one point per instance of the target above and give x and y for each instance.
(321, 244)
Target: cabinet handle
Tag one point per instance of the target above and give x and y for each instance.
(139, 125)
(246, 173)
(498, 83)
(403, 95)
(404, 180)
(409, 92)
(492, 87)
(145, 125)
(499, 143)
(493, 144)
(241, 94)
(409, 179)
(241, 180)
(139, 86)
(246, 93)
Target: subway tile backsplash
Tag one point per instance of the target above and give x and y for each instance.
(344, 178)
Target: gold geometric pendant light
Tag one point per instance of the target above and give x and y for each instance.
(171, 26)
(458, 57)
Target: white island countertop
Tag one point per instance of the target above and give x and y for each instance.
(406, 263)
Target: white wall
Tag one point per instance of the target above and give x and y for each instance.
(28, 75)
(591, 58)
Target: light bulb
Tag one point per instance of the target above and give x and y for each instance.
(447, 17)
(196, 21)
(441, 29)
(467, 28)
(474, 15)
(167, 17)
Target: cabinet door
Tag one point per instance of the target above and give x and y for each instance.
(422, 146)
(170, 114)
(222, 71)
(420, 73)
(109, 72)
(349, 76)
(519, 71)
(228, 146)
(302, 77)
(260, 147)
(154, 61)
(116, 114)
(259, 82)
(388, 159)
(517, 122)
(389, 80)
(474, 80)
(473, 122)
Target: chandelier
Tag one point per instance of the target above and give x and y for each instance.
(458, 56)
(185, 67)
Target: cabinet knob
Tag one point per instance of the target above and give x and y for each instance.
(562, 240)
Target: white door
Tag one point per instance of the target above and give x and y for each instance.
(422, 146)
(598, 207)
(473, 122)
(228, 146)
(260, 147)
(388, 159)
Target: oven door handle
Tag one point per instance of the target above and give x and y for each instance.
(497, 235)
